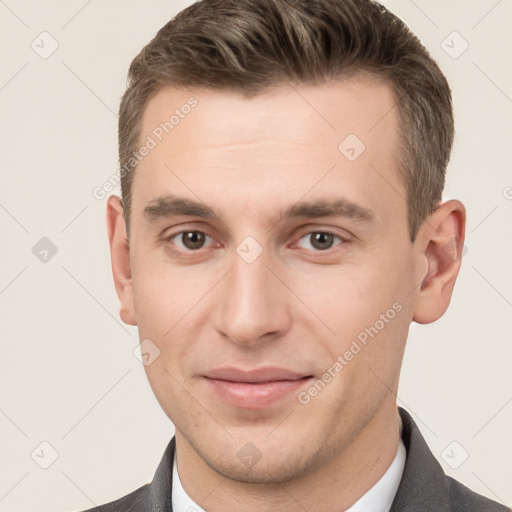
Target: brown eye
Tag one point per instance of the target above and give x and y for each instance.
(189, 243)
(319, 240)
(193, 239)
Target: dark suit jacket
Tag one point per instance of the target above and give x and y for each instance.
(424, 486)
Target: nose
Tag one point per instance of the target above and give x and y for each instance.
(252, 303)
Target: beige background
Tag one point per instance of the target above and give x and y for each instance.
(68, 375)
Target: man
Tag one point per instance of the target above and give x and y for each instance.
(280, 227)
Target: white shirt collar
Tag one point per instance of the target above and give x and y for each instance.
(378, 499)
(181, 501)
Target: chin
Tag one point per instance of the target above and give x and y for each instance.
(274, 462)
(264, 471)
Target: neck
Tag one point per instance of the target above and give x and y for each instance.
(333, 487)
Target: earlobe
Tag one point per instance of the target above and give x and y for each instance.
(120, 259)
(440, 241)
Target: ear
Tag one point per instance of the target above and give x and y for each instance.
(120, 256)
(440, 241)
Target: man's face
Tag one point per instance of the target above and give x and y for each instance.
(252, 306)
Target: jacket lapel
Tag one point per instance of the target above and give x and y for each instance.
(423, 485)
(160, 490)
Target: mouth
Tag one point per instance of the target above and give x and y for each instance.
(256, 388)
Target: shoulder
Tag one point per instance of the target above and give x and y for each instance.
(465, 500)
(150, 497)
(136, 501)
(424, 484)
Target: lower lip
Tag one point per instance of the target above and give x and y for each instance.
(255, 395)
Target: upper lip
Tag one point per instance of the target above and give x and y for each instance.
(262, 374)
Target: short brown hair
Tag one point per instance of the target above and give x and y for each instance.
(250, 45)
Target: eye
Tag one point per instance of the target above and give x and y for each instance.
(190, 240)
(319, 240)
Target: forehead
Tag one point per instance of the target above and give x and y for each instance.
(358, 103)
(340, 136)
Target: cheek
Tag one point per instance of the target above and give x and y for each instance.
(163, 295)
(341, 299)
(171, 312)
(358, 306)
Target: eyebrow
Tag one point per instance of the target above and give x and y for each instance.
(169, 205)
(328, 208)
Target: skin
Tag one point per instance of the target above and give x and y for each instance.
(295, 306)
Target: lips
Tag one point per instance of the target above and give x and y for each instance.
(254, 388)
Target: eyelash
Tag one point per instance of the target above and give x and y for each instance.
(170, 237)
(342, 240)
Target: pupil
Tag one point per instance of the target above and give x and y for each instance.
(322, 240)
(193, 239)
